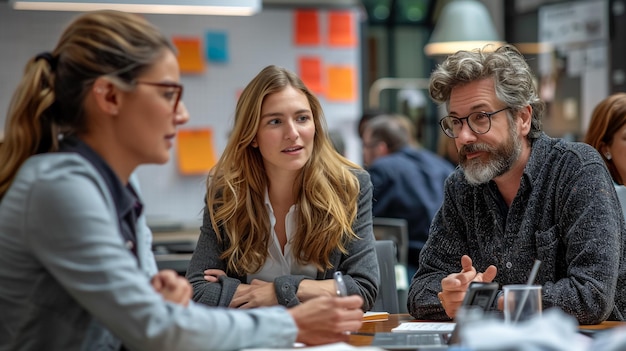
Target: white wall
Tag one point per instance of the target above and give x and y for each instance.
(254, 42)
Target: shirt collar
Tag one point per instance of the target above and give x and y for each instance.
(124, 197)
(268, 204)
(539, 148)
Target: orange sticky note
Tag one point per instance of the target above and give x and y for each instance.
(341, 83)
(307, 28)
(341, 29)
(310, 69)
(195, 151)
(190, 57)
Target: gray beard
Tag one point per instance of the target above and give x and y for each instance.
(501, 159)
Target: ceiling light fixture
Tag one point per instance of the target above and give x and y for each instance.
(462, 25)
(185, 7)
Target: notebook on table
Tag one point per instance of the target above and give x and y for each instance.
(435, 336)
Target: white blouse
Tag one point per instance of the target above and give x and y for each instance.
(278, 264)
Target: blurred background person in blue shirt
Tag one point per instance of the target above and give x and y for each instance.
(408, 179)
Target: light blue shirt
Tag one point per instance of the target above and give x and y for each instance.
(67, 281)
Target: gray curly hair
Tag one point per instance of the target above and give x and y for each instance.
(514, 83)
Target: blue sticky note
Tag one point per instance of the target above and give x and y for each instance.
(217, 46)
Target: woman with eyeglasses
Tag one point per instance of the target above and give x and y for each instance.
(76, 268)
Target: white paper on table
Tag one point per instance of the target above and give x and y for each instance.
(424, 327)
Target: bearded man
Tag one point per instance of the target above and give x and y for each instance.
(519, 196)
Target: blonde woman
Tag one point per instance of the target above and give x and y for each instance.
(284, 210)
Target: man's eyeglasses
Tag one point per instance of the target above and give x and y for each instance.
(479, 123)
(174, 91)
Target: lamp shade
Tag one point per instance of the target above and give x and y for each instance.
(462, 25)
(186, 7)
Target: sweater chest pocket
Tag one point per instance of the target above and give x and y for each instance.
(547, 247)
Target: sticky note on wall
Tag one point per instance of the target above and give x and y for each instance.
(217, 47)
(341, 83)
(307, 27)
(195, 151)
(190, 57)
(310, 71)
(341, 29)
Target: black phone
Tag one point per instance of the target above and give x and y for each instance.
(477, 294)
(481, 294)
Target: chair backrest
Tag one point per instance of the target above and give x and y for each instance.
(387, 299)
(173, 250)
(396, 230)
(176, 262)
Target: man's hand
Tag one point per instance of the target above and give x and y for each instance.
(454, 286)
(327, 319)
(172, 287)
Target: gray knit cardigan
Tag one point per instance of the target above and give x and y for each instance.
(566, 214)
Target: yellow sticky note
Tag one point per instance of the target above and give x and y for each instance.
(195, 151)
(341, 83)
(190, 57)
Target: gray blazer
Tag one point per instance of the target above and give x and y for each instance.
(67, 282)
(360, 266)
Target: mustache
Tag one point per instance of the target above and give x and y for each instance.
(470, 148)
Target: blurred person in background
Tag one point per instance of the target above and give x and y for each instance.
(408, 179)
(607, 134)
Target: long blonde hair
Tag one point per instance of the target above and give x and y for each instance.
(49, 98)
(327, 189)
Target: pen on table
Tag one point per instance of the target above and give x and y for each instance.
(341, 290)
(340, 285)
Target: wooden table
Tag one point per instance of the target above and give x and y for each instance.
(395, 320)
(378, 327)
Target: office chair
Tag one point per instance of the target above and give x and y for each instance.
(396, 230)
(178, 262)
(173, 250)
(387, 299)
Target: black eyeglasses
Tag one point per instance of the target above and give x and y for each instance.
(174, 91)
(479, 123)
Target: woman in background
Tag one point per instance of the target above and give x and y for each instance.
(607, 134)
(284, 210)
(76, 270)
